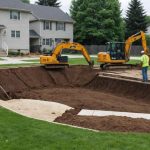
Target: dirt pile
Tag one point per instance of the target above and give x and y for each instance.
(110, 123)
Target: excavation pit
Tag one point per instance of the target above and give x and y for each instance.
(81, 88)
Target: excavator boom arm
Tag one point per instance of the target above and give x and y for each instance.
(71, 46)
(133, 38)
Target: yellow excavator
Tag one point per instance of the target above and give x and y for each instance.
(55, 60)
(118, 53)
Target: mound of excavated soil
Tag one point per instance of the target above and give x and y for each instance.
(79, 87)
(110, 123)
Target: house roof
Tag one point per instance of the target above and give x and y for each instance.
(49, 13)
(13, 5)
(40, 12)
(33, 34)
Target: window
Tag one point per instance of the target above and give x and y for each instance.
(60, 26)
(43, 41)
(18, 34)
(47, 25)
(15, 34)
(15, 15)
(59, 40)
(47, 42)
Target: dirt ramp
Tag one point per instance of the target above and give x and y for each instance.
(59, 77)
(80, 76)
(123, 88)
(10, 82)
(33, 77)
(75, 76)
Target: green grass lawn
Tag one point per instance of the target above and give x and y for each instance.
(134, 62)
(82, 61)
(22, 133)
(72, 61)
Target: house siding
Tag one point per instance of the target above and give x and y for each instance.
(56, 34)
(68, 33)
(21, 25)
(51, 34)
(36, 27)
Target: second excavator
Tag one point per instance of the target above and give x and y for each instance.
(55, 60)
(118, 53)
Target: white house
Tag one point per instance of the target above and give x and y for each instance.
(28, 27)
(48, 26)
(14, 25)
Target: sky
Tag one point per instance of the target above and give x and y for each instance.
(124, 5)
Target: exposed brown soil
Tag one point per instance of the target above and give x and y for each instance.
(79, 87)
(111, 123)
(122, 88)
(86, 98)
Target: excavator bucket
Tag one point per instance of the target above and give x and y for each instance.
(91, 63)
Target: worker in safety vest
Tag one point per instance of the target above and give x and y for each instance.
(145, 65)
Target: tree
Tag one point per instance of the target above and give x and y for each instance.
(97, 21)
(53, 3)
(26, 1)
(135, 18)
(148, 20)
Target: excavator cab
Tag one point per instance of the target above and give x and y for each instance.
(116, 50)
(114, 54)
(62, 59)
